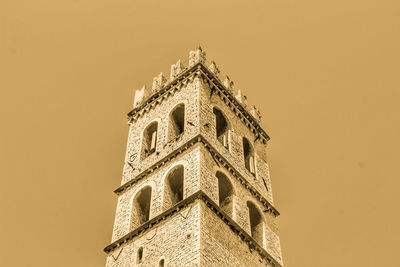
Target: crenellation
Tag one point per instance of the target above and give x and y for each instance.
(241, 98)
(196, 187)
(234, 150)
(229, 85)
(197, 56)
(214, 69)
(174, 85)
(164, 146)
(139, 96)
(255, 113)
(158, 82)
(176, 69)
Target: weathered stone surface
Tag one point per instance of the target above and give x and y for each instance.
(214, 69)
(226, 232)
(221, 247)
(176, 240)
(158, 82)
(176, 69)
(228, 84)
(139, 95)
(197, 56)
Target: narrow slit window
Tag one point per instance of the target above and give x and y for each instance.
(153, 141)
(162, 263)
(149, 142)
(139, 257)
(222, 127)
(248, 153)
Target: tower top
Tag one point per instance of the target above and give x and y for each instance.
(198, 65)
(195, 188)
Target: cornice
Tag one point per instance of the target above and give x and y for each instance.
(161, 162)
(200, 195)
(200, 69)
(231, 101)
(162, 94)
(219, 159)
(235, 173)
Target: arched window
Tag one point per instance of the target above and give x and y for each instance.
(141, 207)
(248, 155)
(225, 192)
(176, 124)
(139, 257)
(221, 125)
(161, 263)
(256, 224)
(173, 187)
(149, 142)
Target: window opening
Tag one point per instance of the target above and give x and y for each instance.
(176, 124)
(225, 192)
(149, 142)
(221, 125)
(173, 188)
(256, 224)
(139, 258)
(141, 207)
(248, 152)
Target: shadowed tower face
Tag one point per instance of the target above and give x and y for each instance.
(195, 188)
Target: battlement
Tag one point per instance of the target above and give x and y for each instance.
(196, 56)
(179, 74)
(196, 188)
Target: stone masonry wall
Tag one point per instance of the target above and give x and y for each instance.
(209, 184)
(234, 154)
(176, 240)
(220, 246)
(188, 95)
(191, 162)
(194, 235)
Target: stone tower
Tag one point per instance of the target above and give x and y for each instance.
(195, 189)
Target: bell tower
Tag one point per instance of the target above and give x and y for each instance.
(195, 188)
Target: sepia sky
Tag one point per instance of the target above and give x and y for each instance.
(325, 75)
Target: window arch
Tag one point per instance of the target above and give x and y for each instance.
(141, 207)
(149, 140)
(176, 124)
(139, 256)
(248, 153)
(256, 222)
(225, 193)
(161, 263)
(173, 186)
(222, 127)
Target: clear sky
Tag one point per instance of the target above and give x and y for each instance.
(325, 75)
